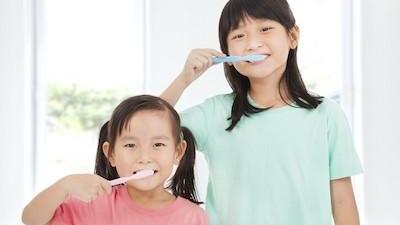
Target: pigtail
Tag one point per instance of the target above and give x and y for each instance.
(183, 182)
(102, 166)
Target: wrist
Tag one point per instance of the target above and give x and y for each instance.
(184, 79)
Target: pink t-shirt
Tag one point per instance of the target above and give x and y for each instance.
(119, 208)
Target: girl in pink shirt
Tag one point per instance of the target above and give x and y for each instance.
(143, 134)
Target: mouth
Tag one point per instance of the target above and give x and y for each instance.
(142, 170)
(259, 61)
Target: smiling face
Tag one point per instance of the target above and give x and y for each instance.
(147, 142)
(261, 36)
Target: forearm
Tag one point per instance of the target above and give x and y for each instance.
(41, 209)
(344, 207)
(175, 90)
(346, 214)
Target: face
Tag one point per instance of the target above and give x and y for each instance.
(147, 143)
(266, 37)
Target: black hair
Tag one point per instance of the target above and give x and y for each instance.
(102, 167)
(183, 181)
(233, 13)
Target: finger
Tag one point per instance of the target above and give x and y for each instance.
(208, 57)
(204, 60)
(95, 195)
(106, 187)
(196, 64)
(86, 198)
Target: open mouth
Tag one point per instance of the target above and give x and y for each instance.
(143, 170)
(259, 61)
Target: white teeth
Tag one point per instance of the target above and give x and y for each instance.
(138, 171)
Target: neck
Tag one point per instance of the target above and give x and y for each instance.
(265, 91)
(153, 199)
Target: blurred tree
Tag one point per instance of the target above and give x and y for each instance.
(79, 108)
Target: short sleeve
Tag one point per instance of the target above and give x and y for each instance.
(343, 159)
(196, 119)
(71, 211)
(202, 218)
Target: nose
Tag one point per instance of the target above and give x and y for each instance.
(253, 44)
(144, 157)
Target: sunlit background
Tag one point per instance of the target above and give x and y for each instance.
(64, 66)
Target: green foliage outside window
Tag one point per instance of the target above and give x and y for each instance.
(77, 108)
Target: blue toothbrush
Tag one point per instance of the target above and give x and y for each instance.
(236, 58)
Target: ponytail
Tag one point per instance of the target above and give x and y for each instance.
(102, 166)
(183, 182)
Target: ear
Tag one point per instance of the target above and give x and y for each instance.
(180, 151)
(106, 149)
(294, 35)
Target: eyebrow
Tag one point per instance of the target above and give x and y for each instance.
(242, 24)
(159, 137)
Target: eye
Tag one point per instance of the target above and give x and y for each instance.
(265, 29)
(129, 145)
(159, 145)
(237, 36)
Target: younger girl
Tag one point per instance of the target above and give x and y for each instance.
(277, 154)
(144, 133)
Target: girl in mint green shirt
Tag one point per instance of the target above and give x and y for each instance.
(277, 155)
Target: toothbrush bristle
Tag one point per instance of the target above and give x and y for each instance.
(255, 58)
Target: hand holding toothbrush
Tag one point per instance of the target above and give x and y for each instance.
(85, 187)
(199, 60)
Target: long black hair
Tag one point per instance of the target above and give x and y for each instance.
(233, 13)
(183, 181)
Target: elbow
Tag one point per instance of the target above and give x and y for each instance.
(26, 217)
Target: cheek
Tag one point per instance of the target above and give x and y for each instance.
(280, 46)
(124, 161)
(234, 49)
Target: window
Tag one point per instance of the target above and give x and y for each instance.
(89, 57)
(321, 50)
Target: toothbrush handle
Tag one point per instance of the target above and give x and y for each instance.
(217, 59)
(142, 174)
(120, 180)
(221, 59)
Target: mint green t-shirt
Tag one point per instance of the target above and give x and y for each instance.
(274, 167)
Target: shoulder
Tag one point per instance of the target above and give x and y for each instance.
(329, 106)
(195, 210)
(185, 203)
(220, 104)
(221, 100)
(333, 114)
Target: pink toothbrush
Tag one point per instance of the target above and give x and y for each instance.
(138, 175)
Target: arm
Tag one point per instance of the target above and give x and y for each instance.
(83, 186)
(344, 208)
(198, 61)
(175, 89)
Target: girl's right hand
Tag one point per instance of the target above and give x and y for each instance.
(197, 62)
(85, 187)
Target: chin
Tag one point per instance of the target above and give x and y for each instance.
(144, 187)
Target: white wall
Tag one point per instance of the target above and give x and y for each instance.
(380, 77)
(14, 110)
(176, 27)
